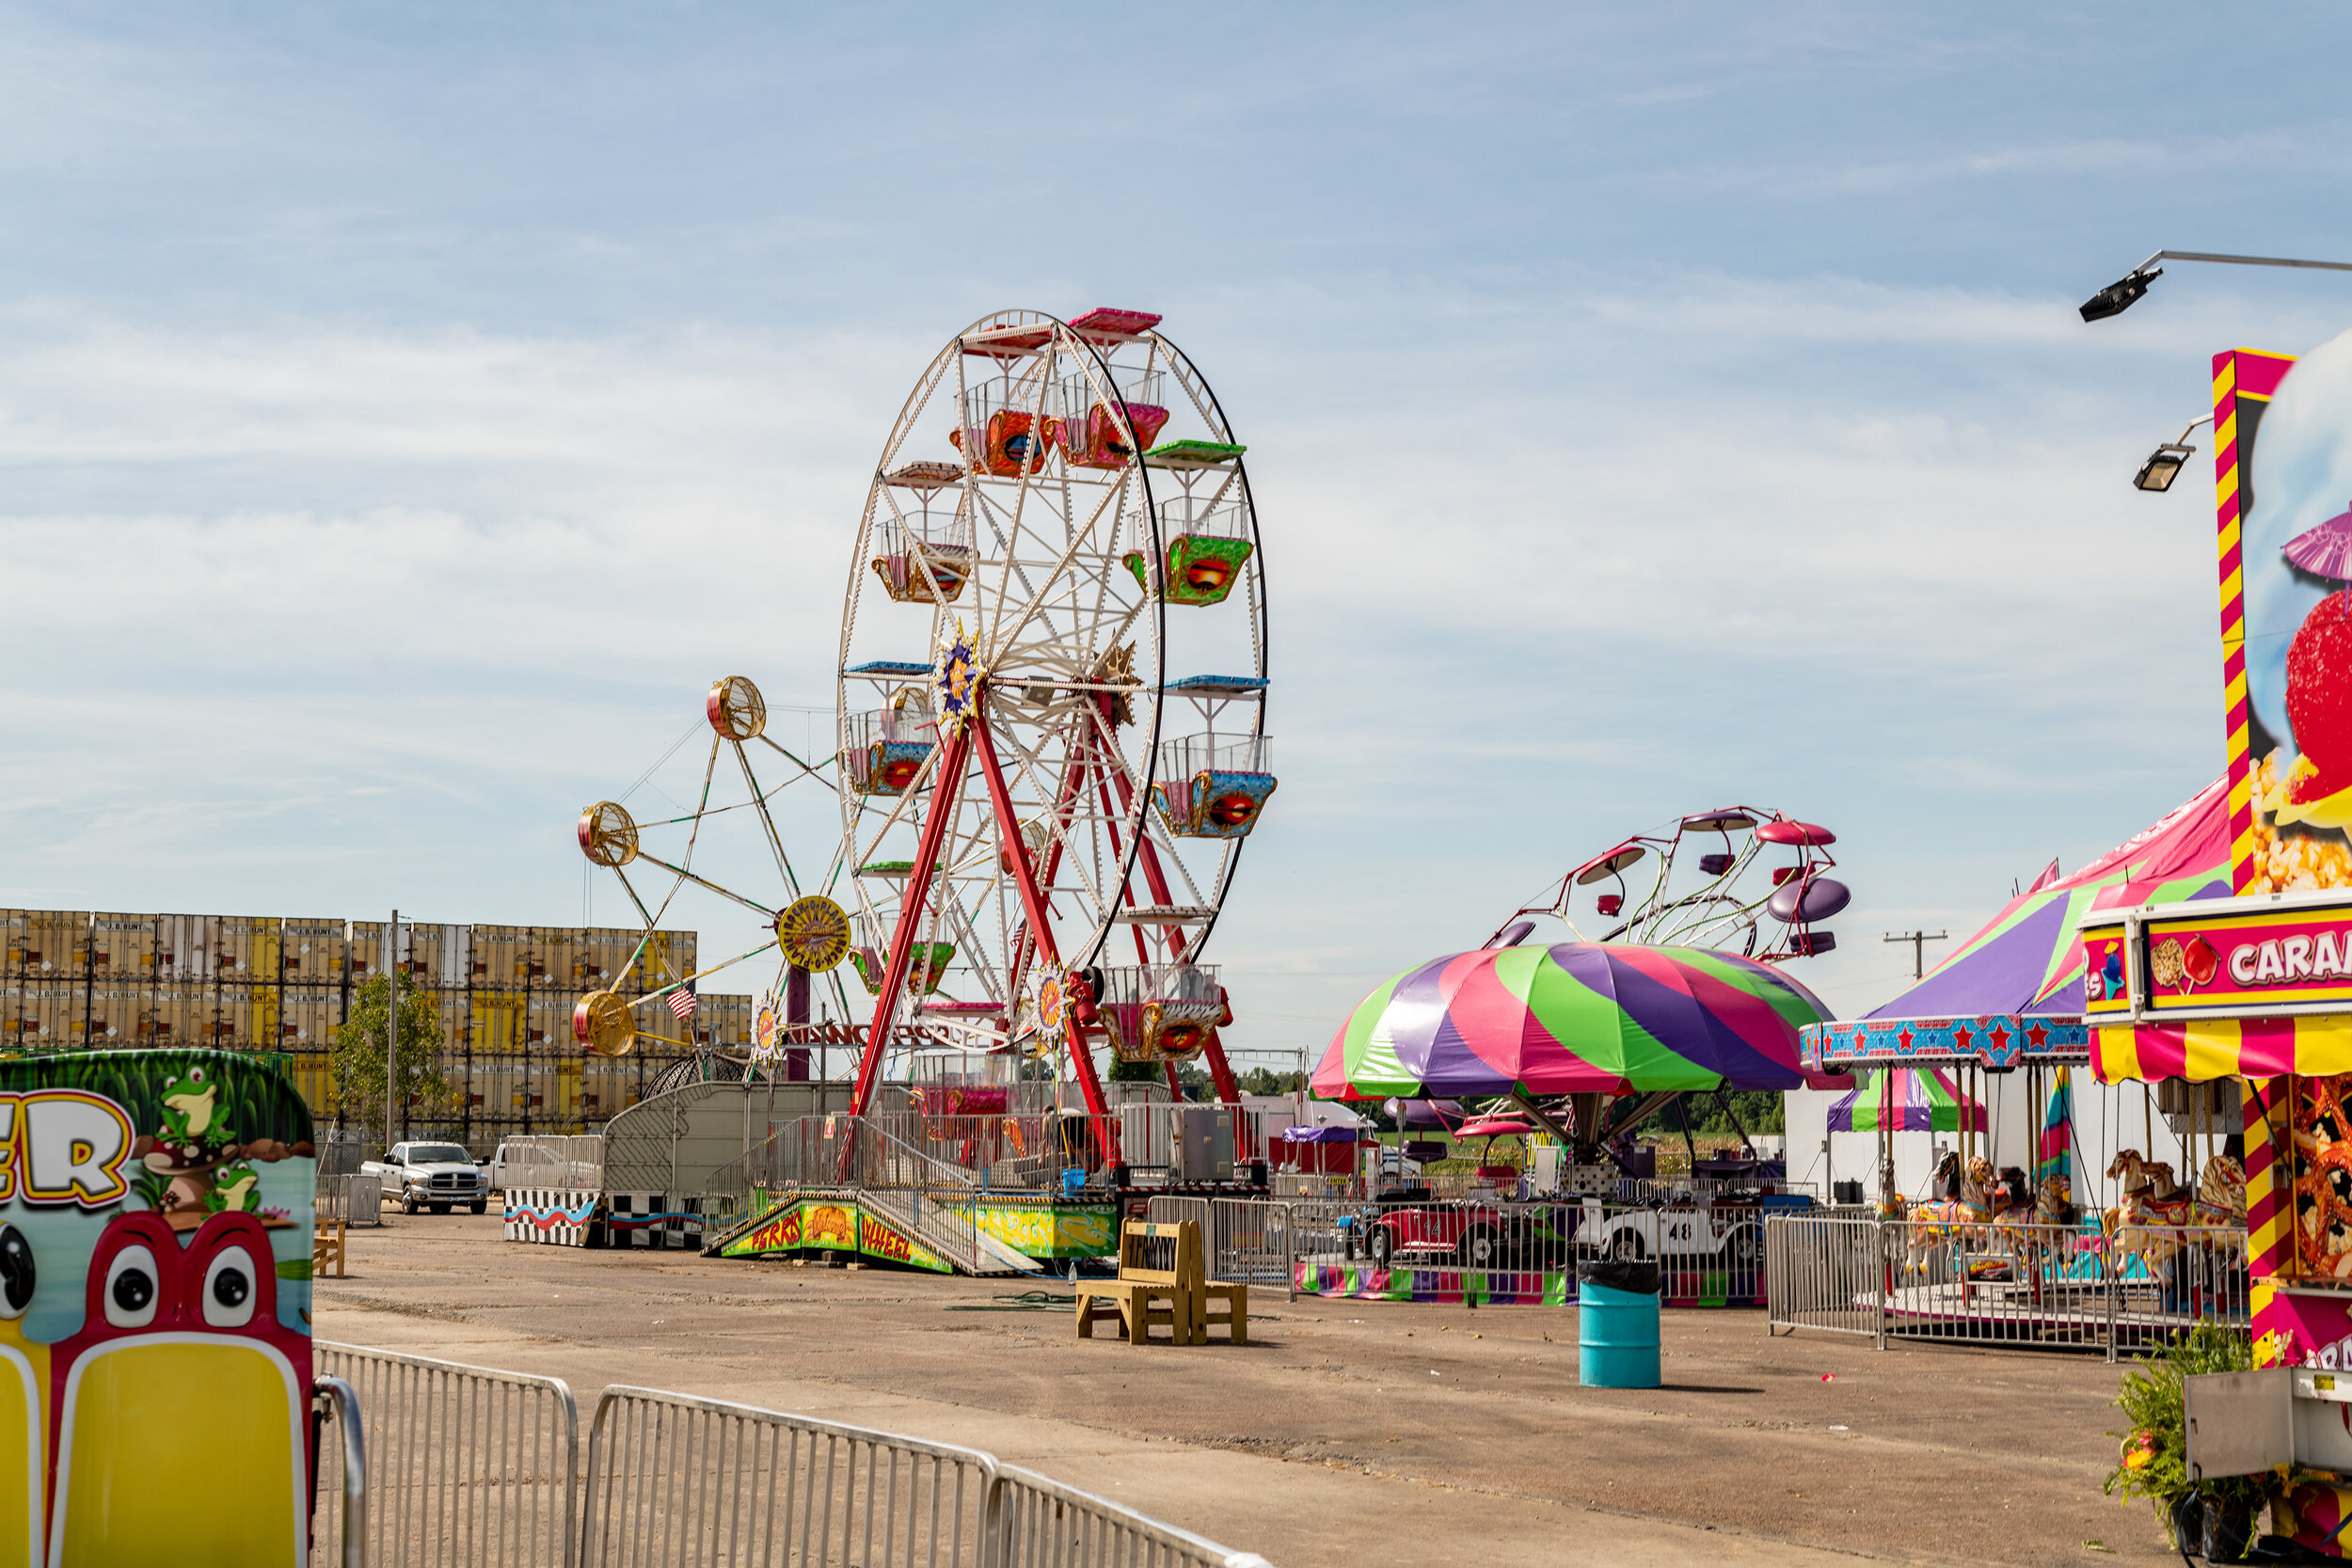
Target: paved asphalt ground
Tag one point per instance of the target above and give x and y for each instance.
(1344, 1432)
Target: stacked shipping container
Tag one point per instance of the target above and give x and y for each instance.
(503, 995)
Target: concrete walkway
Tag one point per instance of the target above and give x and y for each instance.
(1346, 1432)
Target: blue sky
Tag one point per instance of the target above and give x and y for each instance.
(405, 412)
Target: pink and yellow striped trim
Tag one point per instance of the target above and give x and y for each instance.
(2315, 1046)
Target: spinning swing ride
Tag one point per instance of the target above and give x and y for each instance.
(1051, 744)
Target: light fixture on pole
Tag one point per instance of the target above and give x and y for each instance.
(2164, 464)
(2122, 294)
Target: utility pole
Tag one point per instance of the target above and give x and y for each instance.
(1919, 940)
(391, 1029)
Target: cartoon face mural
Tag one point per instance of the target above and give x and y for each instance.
(23, 1409)
(144, 1197)
(180, 1343)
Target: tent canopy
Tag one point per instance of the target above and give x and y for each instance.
(1924, 1101)
(2028, 958)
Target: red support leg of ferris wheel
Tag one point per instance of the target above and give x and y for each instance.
(946, 781)
(1033, 907)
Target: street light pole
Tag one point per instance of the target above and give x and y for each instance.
(2122, 294)
(391, 1028)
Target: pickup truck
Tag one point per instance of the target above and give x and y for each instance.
(433, 1176)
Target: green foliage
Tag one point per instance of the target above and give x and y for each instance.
(358, 1062)
(1121, 1071)
(1759, 1111)
(2154, 1463)
(1265, 1080)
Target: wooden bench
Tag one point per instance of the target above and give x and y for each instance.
(1157, 1264)
(325, 1249)
(1236, 1314)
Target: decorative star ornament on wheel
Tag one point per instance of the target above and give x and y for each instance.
(958, 682)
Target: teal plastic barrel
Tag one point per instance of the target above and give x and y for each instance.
(1616, 1336)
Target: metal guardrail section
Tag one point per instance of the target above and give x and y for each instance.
(677, 1481)
(449, 1463)
(465, 1465)
(1043, 1524)
(1996, 1282)
(1246, 1241)
(353, 1200)
(340, 1534)
(568, 1160)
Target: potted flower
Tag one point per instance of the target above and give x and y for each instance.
(2215, 1517)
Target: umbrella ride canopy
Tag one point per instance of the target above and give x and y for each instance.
(1580, 1017)
(1924, 1102)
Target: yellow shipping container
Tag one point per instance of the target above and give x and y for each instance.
(490, 957)
(54, 944)
(315, 1083)
(245, 1016)
(247, 949)
(114, 1012)
(177, 1015)
(12, 925)
(548, 1023)
(313, 952)
(496, 1028)
(184, 947)
(307, 1017)
(363, 948)
(728, 1019)
(121, 949)
(451, 1009)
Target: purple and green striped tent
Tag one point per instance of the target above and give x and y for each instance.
(2029, 959)
(1574, 1018)
(1904, 1100)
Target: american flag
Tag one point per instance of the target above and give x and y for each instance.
(682, 1002)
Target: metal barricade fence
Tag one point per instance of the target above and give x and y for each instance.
(1709, 1252)
(338, 1509)
(465, 1464)
(1244, 1240)
(1824, 1271)
(560, 1162)
(354, 1199)
(1043, 1524)
(677, 1481)
(443, 1462)
(1970, 1280)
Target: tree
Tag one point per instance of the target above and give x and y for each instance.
(1266, 1080)
(357, 1064)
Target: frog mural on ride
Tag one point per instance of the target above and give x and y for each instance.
(155, 1219)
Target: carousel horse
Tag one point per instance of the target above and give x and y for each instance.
(1948, 1221)
(2221, 1205)
(2154, 1209)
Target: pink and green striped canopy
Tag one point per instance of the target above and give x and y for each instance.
(1575, 1018)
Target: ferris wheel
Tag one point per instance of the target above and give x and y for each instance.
(1053, 685)
(655, 862)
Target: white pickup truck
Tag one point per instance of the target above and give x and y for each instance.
(431, 1176)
